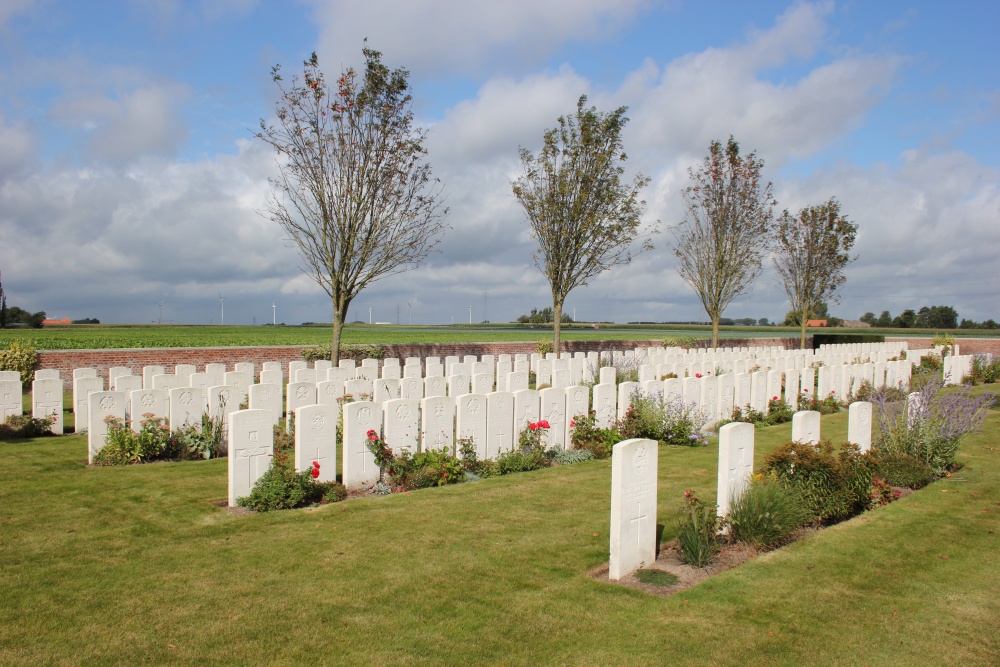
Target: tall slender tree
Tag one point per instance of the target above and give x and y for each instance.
(811, 252)
(584, 214)
(727, 228)
(354, 190)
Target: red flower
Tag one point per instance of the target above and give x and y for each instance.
(315, 472)
(687, 493)
(534, 426)
(572, 423)
(774, 398)
(697, 375)
(316, 465)
(544, 424)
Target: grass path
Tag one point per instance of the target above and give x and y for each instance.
(137, 566)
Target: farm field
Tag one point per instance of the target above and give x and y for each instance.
(151, 336)
(139, 565)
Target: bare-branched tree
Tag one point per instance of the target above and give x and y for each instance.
(811, 251)
(727, 228)
(584, 215)
(353, 190)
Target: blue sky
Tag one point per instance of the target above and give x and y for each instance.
(128, 173)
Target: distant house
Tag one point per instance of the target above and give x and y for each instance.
(815, 323)
(64, 320)
(855, 324)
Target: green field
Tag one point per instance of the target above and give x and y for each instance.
(90, 337)
(138, 565)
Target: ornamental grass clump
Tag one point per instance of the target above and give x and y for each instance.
(930, 424)
(697, 539)
(767, 512)
(671, 422)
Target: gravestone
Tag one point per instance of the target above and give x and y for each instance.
(392, 372)
(577, 407)
(458, 385)
(82, 388)
(859, 425)
(736, 441)
(10, 399)
(605, 405)
(294, 366)
(792, 389)
(470, 421)
(411, 387)
(251, 446)
(330, 392)
(147, 375)
(552, 408)
(369, 373)
(435, 386)
(708, 399)
(47, 402)
(625, 391)
(46, 374)
(358, 467)
(412, 371)
(343, 363)
(360, 389)
(499, 423)
(271, 377)
(758, 391)
(145, 404)
(401, 424)
(517, 381)
(321, 366)
(526, 410)
(222, 401)
(10, 376)
(298, 394)
(727, 395)
(184, 369)
(102, 405)
(633, 506)
(187, 404)
(244, 367)
(806, 427)
(341, 375)
(437, 423)
(127, 384)
(386, 389)
(240, 379)
(482, 383)
(266, 397)
(305, 375)
(316, 440)
(673, 390)
(774, 384)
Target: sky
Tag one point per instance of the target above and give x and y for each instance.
(131, 182)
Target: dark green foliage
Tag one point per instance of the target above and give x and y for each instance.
(698, 540)
(767, 513)
(985, 369)
(834, 486)
(779, 412)
(281, 488)
(17, 427)
(840, 339)
(904, 470)
(152, 443)
(356, 352)
(671, 422)
(432, 467)
(656, 577)
(283, 440)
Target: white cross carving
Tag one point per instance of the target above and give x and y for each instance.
(638, 521)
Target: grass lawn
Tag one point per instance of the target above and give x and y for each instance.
(138, 566)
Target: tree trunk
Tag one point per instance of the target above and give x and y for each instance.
(338, 327)
(556, 325)
(802, 328)
(715, 331)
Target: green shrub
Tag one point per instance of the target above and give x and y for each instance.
(834, 486)
(586, 435)
(565, 457)
(433, 467)
(21, 357)
(686, 342)
(766, 513)
(282, 487)
(204, 441)
(985, 369)
(672, 422)
(17, 427)
(544, 347)
(903, 470)
(124, 446)
(778, 412)
(347, 351)
(698, 540)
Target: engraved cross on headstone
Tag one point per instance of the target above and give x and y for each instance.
(638, 521)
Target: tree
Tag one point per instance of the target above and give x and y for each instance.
(811, 252)
(3, 307)
(868, 318)
(726, 232)
(763, 322)
(584, 216)
(884, 320)
(937, 317)
(353, 190)
(905, 320)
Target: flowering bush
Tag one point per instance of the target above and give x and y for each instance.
(282, 487)
(381, 451)
(985, 369)
(533, 436)
(930, 425)
(152, 442)
(671, 422)
(587, 435)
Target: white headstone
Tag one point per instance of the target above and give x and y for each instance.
(330, 392)
(435, 386)
(271, 377)
(187, 404)
(147, 375)
(299, 394)
(411, 387)
(145, 404)
(806, 427)
(437, 423)
(82, 388)
(358, 467)
(294, 366)
(470, 421)
(46, 374)
(267, 397)
(244, 367)
(251, 446)
(625, 391)
(859, 425)
(633, 506)
(552, 408)
(499, 423)
(222, 401)
(305, 375)
(401, 423)
(517, 381)
(316, 440)
(577, 407)
(182, 369)
(47, 402)
(84, 373)
(736, 441)
(10, 399)
(526, 410)
(605, 405)
(386, 390)
(127, 384)
(102, 406)
(360, 389)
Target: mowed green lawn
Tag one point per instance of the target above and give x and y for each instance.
(139, 565)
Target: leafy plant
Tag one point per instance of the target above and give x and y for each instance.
(17, 427)
(347, 351)
(124, 446)
(565, 457)
(767, 512)
(205, 441)
(901, 469)
(282, 487)
(985, 369)
(21, 357)
(544, 347)
(698, 540)
(672, 422)
(532, 436)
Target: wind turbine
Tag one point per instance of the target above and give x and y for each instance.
(409, 307)
(222, 309)
(159, 320)
(274, 314)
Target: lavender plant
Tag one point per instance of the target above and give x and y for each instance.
(930, 425)
(670, 421)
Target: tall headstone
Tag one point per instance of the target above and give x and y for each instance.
(316, 439)
(401, 424)
(299, 394)
(735, 463)
(251, 446)
(358, 467)
(411, 387)
(222, 401)
(187, 404)
(435, 386)
(633, 506)
(103, 405)
(437, 423)
(147, 375)
(10, 399)
(386, 389)
(145, 404)
(526, 410)
(82, 388)
(266, 397)
(605, 405)
(552, 408)
(859, 425)
(330, 392)
(500, 434)
(806, 427)
(470, 421)
(47, 403)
